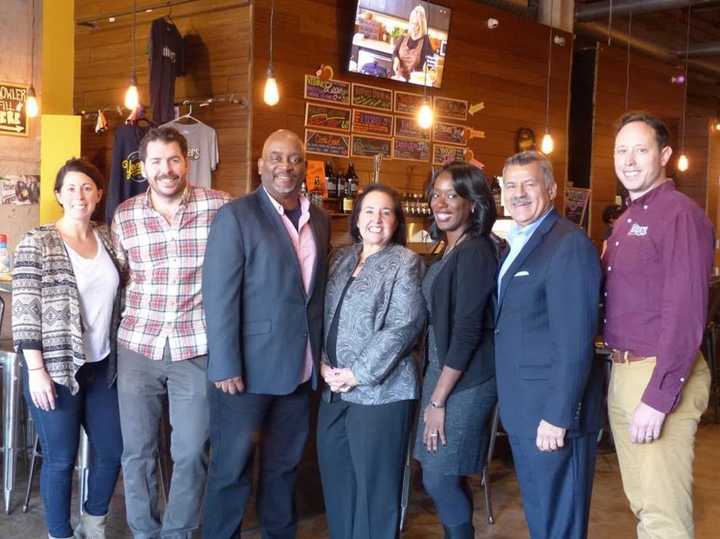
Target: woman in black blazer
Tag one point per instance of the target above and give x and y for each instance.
(459, 390)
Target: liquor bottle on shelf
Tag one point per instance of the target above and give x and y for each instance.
(353, 178)
(331, 181)
(316, 195)
(348, 199)
(341, 182)
(496, 191)
(303, 189)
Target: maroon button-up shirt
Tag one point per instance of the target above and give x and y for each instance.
(657, 268)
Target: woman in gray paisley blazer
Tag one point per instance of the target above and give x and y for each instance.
(375, 312)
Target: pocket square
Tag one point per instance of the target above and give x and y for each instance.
(522, 273)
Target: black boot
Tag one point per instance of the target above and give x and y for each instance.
(462, 531)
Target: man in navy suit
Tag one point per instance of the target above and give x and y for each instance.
(263, 286)
(549, 385)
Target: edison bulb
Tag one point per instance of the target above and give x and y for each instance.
(547, 145)
(132, 97)
(425, 116)
(683, 164)
(271, 96)
(31, 105)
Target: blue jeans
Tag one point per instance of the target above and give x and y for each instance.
(95, 407)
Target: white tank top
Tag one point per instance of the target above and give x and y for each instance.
(97, 281)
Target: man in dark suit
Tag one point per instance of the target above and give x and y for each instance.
(263, 285)
(549, 386)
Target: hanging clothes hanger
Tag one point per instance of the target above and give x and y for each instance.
(187, 119)
(168, 17)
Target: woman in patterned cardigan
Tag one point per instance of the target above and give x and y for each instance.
(66, 285)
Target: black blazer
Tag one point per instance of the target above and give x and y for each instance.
(462, 310)
(258, 313)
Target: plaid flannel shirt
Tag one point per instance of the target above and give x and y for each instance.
(163, 297)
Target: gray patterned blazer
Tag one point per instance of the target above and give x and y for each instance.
(381, 318)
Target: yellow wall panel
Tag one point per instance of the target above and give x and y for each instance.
(59, 141)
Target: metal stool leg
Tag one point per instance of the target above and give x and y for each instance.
(35, 453)
(486, 468)
(11, 405)
(83, 468)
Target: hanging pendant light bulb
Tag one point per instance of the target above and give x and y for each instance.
(548, 144)
(32, 108)
(683, 163)
(425, 116)
(132, 97)
(271, 96)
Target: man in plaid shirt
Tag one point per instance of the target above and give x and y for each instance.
(160, 239)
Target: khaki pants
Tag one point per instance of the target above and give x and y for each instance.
(657, 477)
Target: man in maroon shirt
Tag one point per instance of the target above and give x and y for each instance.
(657, 266)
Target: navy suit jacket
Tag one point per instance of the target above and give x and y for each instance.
(545, 324)
(258, 314)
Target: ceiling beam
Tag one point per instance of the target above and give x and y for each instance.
(601, 10)
(711, 48)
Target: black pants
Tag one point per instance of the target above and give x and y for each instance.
(279, 425)
(361, 453)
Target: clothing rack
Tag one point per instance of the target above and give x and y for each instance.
(230, 99)
(92, 22)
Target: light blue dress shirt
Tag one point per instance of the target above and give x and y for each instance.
(517, 238)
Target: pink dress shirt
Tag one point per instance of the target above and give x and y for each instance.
(306, 252)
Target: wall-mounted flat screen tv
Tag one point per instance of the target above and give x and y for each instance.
(403, 40)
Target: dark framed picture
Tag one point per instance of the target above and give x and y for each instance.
(525, 140)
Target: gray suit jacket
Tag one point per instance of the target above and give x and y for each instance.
(258, 314)
(381, 318)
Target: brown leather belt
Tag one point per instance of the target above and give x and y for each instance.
(619, 356)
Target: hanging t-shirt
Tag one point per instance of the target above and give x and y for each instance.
(126, 179)
(203, 153)
(167, 61)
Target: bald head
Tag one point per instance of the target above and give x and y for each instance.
(282, 166)
(286, 135)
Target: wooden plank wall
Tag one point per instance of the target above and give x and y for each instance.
(505, 68)
(218, 51)
(650, 90)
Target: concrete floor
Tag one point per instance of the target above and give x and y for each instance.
(610, 516)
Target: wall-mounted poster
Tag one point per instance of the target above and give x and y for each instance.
(372, 97)
(448, 133)
(443, 153)
(326, 117)
(454, 109)
(407, 127)
(363, 146)
(407, 103)
(19, 189)
(13, 120)
(323, 143)
(576, 203)
(333, 91)
(372, 123)
(411, 150)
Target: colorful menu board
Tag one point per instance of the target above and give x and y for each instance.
(333, 91)
(453, 109)
(448, 133)
(411, 150)
(372, 97)
(407, 127)
(324, 143)
(372, 123)
(407, 103)
(363, 146)
(327, 117)
(443, 153)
